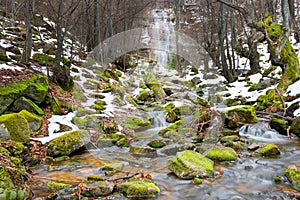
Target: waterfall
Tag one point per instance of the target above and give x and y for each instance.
(163, 35)
(158, 119)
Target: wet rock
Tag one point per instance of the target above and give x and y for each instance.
(279, 125)
(236, 117)
(253, 147)
(112, 168)
(296, 126)
(55, 186)
(293, 173)
(16, 126)
(141, 150)
(197, 181)
(157, 144)
(268, 150)
(157, 90)
(138, 188)
(172, 149)
(221, 153)
(173, 115)
(189, 164)
(93, 177)
(68, 143)
(96, 189)
(135, 123)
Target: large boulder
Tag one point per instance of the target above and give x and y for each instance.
(34, 88)
(97, 188)
(15, 127)
(68, 143)
(238, 116)
(189, 164)
(268, 150)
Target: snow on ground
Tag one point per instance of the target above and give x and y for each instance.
(5, 66)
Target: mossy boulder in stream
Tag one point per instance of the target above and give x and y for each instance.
(279, 125)
(97, 188)
(68, 143)
(268, 150)
(269, 99)
(293, 174)
(138, 188)
(135, 123)
(296, 126)
(189, 164)
(34, 121)
(17, 127)
(221, 153)
(236, 117)
(157, 90)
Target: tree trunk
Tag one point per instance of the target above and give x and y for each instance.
(28, 44)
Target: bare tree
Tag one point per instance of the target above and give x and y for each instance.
(28, 44)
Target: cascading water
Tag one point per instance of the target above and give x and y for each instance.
(163, 35)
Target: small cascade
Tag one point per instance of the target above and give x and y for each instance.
(261, 132)
(158, 119)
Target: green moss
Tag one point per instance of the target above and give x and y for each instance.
(197, 181)
(54, 186)
(138, 188)
(253, 87)
(93, 177)
(293, 175)
(221, 153)
(17, 127)
(35, 122)
(34, 88)
(137, 123)
(236, 117)
(5, 180)
(189, 164)
(277, 179)
(267, 100)
(4, 151)
(68, 143)
(279, 125)
(173, 128)
(43, 59)
(268, 150)
(99, 105)
(157, 144)
(3, 57)
(144, 95)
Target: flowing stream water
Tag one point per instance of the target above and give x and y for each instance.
(247, 178)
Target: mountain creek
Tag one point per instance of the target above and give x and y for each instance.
(143, 127)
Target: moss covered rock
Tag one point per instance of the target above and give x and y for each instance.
(68, 143)
(236, 117)
(293, 174)
(269, 99)
(55, 186)
(135, 123)
(17, 127)
(143, 96)
(97, 188)
(221, 153)
(157, 144)
(279, 125)
(34, 88)
(138, 188)
(142, 150)
(157, 90)
(23, 103)
(189, 164)
(34, 121)
(268, 150)
(296, 126)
